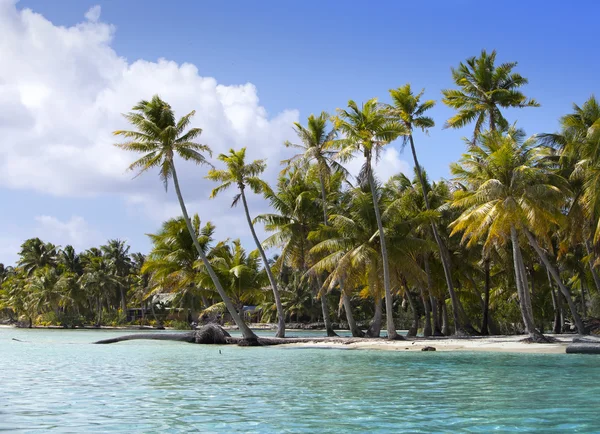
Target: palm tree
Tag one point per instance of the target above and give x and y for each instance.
(408, 110)
(484, 88)
(35, 254)
(294, 218)
(368, 129)
(172, 262)
(117, 253)
(242, 175)
(160, 137)
(317, 146)
(509, 190)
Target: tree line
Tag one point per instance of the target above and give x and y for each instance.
(509, 244)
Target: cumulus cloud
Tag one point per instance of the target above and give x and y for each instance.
(62, 92)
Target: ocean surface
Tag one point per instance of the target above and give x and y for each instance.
(56, 381)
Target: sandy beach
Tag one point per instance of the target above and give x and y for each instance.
(507, 344)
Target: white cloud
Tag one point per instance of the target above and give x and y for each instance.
(75, 231)
(93, 14)
(62, 92)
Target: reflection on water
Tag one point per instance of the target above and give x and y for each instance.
(57, 381)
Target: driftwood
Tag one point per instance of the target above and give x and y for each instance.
(587, 348)
(214, 334)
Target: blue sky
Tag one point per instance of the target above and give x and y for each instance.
(301, 57)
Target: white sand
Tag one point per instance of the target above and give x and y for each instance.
(508, 344)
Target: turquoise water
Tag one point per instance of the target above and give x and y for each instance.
(58, 382)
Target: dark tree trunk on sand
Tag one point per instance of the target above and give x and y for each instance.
(325, 311)
(375, 329)
(414, 327)
(356, 332)
(486, 299)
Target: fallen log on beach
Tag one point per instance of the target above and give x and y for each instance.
(214, 334)
(584, 348)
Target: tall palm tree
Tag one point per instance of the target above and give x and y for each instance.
(408, 110)
(241, 174)
(509, 191)
(317, 147)
(368, 129)
(160, 138)
(484, 88)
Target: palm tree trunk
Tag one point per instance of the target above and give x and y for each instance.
(486, 299)
(246, 332)
(445, 321)
(437, 331)
(460, 327)
(374, 330)
(389, 309)
(522, 288)
(324, 306)
(414, 327)
(325, 310)
(595, 276)
(123, 301)
(356, 331)
(557, 325)
(556, 276)
(280, 313)
(427, 323)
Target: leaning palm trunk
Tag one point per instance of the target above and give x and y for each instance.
(280, 313)
(389, 310)
(556, 276)
(427, 323)
(460, 327)
(356, 331)
(374, 330)
(523, 289)
(246, 332)
(325, 311)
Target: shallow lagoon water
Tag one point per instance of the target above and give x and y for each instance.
(57, 382)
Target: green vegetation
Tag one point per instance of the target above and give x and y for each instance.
(510, 244)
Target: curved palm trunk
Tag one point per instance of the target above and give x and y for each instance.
(522, 288)
(460, 327)
(427, 323)
(556, 276)
(389, 310)
(356, 331)
(324, 305)
(280, 313)
(374, 330)
(246, 332)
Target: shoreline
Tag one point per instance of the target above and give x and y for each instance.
(498, 344)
